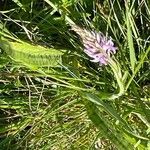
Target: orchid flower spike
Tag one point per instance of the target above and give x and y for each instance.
(96, 45)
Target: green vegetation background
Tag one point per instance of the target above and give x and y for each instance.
(52, 97)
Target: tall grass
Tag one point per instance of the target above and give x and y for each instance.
(53, 97)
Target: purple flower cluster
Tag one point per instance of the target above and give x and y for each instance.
(99, 47)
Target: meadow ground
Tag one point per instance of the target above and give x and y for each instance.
(74, 75)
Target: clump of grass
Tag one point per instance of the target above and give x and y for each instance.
(69, 106)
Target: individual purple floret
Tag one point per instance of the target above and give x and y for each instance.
(97, 46)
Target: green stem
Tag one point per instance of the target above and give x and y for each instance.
(118, 75)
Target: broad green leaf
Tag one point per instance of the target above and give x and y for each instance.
(32, 55)
(130, 41)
